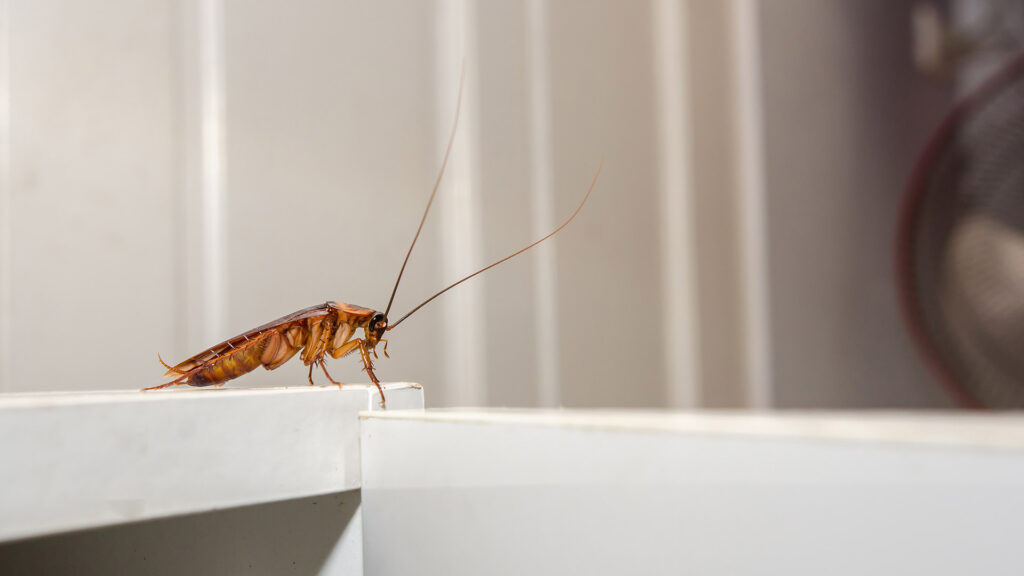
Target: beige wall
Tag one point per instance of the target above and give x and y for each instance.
(321, 152)
(317, 128)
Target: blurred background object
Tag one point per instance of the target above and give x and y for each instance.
(173, 173)
(961, 245)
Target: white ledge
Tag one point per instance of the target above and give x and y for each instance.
(976, 430)
(83, 460)
(603, 492)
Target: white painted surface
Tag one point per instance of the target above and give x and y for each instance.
(85, 460)
(919, 429)
(609, 265)
(213, 246)
(458, 216)
(93, 114)
(542, 217)
(678, 235)
(182, 171)
(6, 251)
(753, 218)
(333, 144)
(472, 492)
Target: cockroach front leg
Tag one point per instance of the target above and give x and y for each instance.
(364, 354)
(368, 367)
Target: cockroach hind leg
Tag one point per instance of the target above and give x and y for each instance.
(175, 382)
(323, 366)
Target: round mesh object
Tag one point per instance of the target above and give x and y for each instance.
(960, 251)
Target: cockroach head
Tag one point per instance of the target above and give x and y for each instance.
(378, 324)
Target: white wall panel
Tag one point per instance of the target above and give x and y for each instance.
(511, 292)
(93, 131)
(670, 21)
(328, 132)
(608, 262)
(329, 121)
(332, 148)
(711, 43)
(6, 251)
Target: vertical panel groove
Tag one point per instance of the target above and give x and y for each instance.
(679, 327)
(212, 186)
(6, 251)
(460, 210)
(752, 216)
(542, 207)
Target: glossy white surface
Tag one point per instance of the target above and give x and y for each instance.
(470, 492)
(73, 461)
(1000, 430)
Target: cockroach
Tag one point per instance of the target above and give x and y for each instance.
(326, 329)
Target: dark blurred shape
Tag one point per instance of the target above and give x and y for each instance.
(960, 253)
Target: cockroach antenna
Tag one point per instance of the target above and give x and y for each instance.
(437, 184)
(512, 255)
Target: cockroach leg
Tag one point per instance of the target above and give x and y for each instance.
(373, 378)
(310, 376)
(175, 382)
(368, 368)
(386, 355)
(323, 366)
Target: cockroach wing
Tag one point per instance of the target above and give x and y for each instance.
(312, 312)
(281, 325)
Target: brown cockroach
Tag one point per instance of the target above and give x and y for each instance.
(325, 329)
